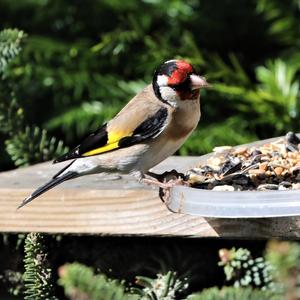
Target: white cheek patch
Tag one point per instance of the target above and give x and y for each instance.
(162, 80)
(169, 94)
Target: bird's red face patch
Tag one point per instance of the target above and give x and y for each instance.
(178, 76)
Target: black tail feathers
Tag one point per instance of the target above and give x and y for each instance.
(49, 185)
(63, 169)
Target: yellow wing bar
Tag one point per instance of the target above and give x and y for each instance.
(112, 143)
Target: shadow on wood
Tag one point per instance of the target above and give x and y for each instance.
(286, 227)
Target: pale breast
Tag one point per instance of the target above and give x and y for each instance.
(183, 122)
(184, 119)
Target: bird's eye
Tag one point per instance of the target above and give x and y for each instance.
(183, 84)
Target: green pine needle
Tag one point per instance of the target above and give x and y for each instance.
(10, 46)
(37, 276)
(80, 282)
(33, 145)
(230, 293)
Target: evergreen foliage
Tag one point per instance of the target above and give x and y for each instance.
(86, 63)
(10, 46)
(278, 270)
(80, 282)
(25, 144)
(37, 276)
(164, 287)
(231, 293)
(285, 258)
(83, 60)
(33, 145)
(14, 282)
(244, 271)
(11, 115)
(274, 100)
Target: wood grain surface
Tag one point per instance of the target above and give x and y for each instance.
(114, 205)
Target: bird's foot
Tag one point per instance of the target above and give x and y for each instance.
(165, 182)
(154, 181)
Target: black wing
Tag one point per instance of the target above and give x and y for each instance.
(96, 139)
(97, 142)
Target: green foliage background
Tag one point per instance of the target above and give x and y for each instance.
(69, 66)
(83, 60)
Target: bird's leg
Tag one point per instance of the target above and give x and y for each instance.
(164, 187)
(154, 181)
(151, 180)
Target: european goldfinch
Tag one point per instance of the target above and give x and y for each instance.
(151, 127)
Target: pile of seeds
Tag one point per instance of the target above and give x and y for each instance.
(272, 166)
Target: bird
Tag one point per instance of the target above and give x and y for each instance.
(151, 126)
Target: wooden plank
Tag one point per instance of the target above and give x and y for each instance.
(116, 206)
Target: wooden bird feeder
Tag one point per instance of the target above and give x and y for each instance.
(120, 206)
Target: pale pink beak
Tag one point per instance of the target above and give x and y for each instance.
(198, 82)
